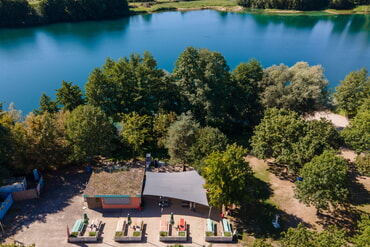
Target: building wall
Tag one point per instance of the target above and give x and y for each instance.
(134, 203)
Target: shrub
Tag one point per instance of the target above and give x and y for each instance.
(92, 234)
(209, 234)
(74, 234)
(136, 234)
(182, 234)
(163, 234)
(119, 234)
(227, 234)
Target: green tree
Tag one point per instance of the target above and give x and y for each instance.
(161, 123)
(286, 137)
(357, 134)
(89, 132)
(69, 96)
(207, 140)
(47, 144)
(46, 105)
(303, 237)
(136, 131)
(276, 135)
(300, 88)
(227, 176)
(16, 13)
(247, 108)
(363, 163)
(298, 237)
(181, 136)
(130, 84)
(261, 243)
(352, 92)
(324, 182)
(362, 238)
(203, 78)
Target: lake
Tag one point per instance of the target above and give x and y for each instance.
(36, 60)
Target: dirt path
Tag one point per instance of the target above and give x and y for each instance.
(283, 195)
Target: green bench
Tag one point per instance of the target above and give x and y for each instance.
(210, 225)
(78, 226)
(226, 225)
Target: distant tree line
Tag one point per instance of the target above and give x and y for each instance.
(303, 5)
(15, 13)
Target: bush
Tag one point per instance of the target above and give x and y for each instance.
(119, 234)
(136, 234)
(74, 234)
(163, 234)
(182, 234)
(92, 234)
(363, 164)
(209, 234)
(227, 234)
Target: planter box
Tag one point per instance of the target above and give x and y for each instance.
(80, 239)
(176, 238)
(129, 238)
(221, 239)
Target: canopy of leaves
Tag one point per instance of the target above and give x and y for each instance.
(324, 182)
(362, 238)
(46, 105)
(285, 136)
(300, 88)
(352, 92)
(357, 134)
(181, 136)
(207, 140)
(47, 144)
(303, 237)
(130, 84)
(202, 77)
(136, 130)
(69, 96)
(89, 132)
(246, 106)
(363, 164)
(227, 176)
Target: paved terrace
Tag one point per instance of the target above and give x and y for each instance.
(44, 221)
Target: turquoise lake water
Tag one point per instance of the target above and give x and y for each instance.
(36, 60)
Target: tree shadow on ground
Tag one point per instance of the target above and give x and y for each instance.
(59, 188)
(359, 195)
(345, 218)
(281, 171)
(257, 219)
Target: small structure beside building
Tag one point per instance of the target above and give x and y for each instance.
(115, 190)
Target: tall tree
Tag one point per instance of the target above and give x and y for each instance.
(161, 123)
(303, 237)
(362, 238)
(352, 91)
(89, 132)
(203, 78)
(227, 176)
(207, 140)
(357, 134)
(47, 144)
(136, 131)
(324, 182)
(46, 105)
(69, 96)
(285, 136)
(301, 88)
(181, 136)
(247, 108)
(130, 84)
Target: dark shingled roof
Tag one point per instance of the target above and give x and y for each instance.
(116, 183)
